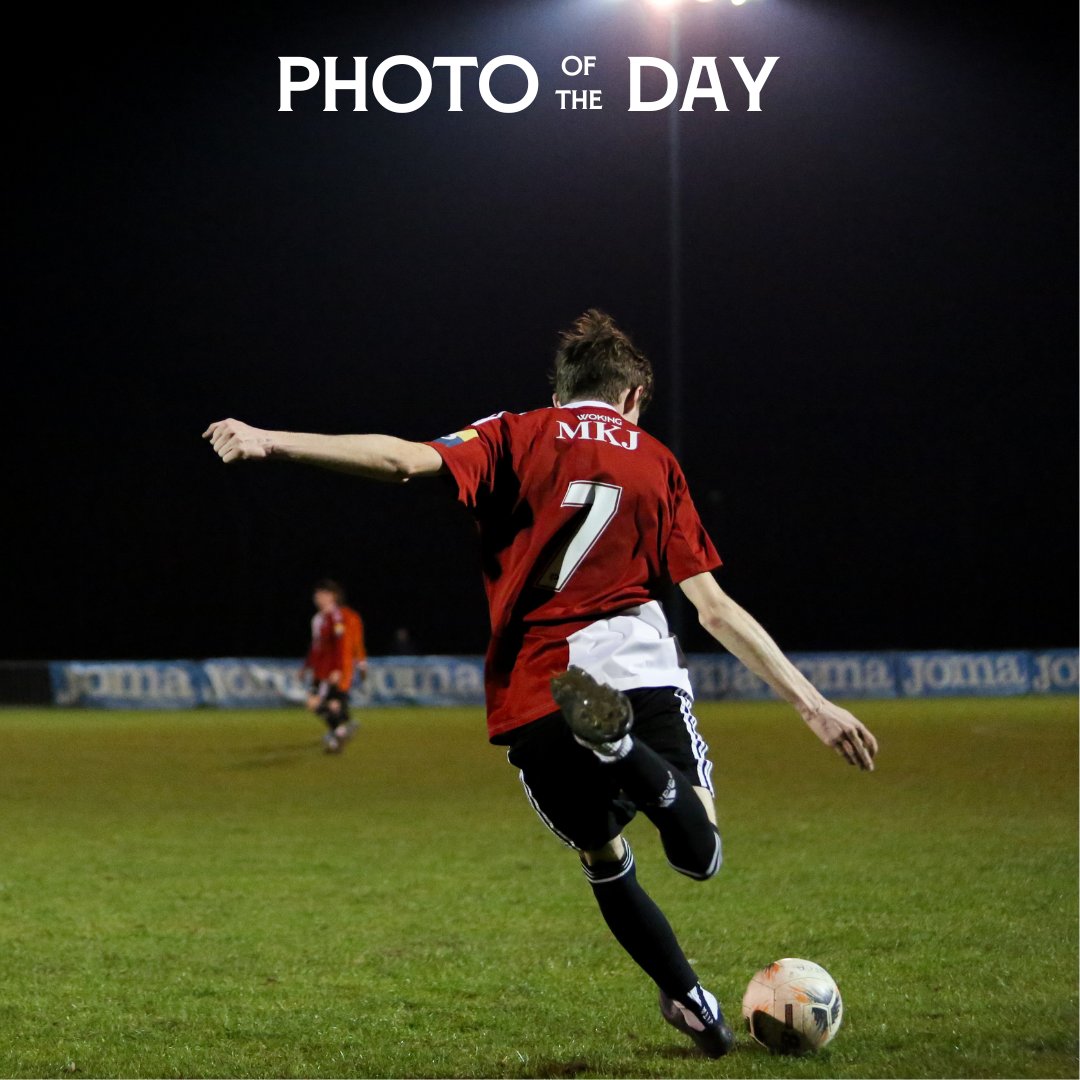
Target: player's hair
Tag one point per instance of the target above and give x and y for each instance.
(330, 585)
(596, 359)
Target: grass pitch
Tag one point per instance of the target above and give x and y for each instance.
(206, 894)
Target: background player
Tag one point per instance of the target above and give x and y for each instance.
(336, 654)
(584, 518)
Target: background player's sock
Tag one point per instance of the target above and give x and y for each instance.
(639, 926)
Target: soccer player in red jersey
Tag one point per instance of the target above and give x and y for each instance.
(584, 518)
(336, 654)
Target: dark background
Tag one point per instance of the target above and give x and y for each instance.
(880, 343)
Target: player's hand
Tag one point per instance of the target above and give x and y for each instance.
(845, 733)
(233, 440)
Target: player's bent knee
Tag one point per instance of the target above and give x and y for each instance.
(696, 875)
(708, 865)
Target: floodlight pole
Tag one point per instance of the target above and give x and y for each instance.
(676, 604)
(675, 375)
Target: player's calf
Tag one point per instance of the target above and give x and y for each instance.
(693, 855)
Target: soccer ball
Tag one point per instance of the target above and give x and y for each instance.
(793, 1006)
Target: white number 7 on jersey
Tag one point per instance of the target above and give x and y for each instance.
(602, 501)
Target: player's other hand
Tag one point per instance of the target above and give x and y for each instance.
(845, 733)
(233, 440)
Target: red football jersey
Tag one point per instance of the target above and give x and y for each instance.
(337, 644)
(584, 518)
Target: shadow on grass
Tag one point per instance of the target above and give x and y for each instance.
(278, 755)
(558, 1070)
(686, 1053)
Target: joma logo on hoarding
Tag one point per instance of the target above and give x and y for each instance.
(87, 683)
(1003, 672)
(1055, 671)
(849, 674)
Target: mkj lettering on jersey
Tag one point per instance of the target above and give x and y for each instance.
(598, 431)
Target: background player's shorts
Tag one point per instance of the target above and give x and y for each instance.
(330, 693)
(576, 795)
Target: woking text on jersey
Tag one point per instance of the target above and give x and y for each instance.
(510, 84)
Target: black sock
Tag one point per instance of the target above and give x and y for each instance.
(691, 841)
(639, 925)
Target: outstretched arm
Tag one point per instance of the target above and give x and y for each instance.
(745, 638)
(377, 457)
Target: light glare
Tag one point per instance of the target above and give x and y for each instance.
(668, 5)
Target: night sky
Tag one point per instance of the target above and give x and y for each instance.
(879, 414)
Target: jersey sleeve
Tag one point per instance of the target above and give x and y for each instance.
(359, 652)
(689, 549)
(473, 455)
